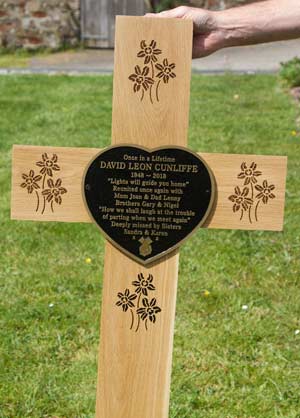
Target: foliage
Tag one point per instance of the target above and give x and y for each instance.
(290, 72)
(236, 349)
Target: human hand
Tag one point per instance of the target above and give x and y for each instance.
(207, 37)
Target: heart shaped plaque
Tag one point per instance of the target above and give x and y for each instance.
(146, 202)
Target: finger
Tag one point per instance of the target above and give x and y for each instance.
(178, 12)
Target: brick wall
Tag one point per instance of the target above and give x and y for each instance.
(33, 24)
(39, 23)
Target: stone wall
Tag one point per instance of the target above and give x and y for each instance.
(34, 24)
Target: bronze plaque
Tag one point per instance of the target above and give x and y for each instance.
(146, 202)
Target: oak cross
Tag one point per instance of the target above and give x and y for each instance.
(150, 110)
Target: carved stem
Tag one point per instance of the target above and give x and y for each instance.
(138, 305)
(52, 206)
(242, 214)
(157, 85)
(151, 84)
(38, 201)
(146, 325)
(256, 207)
(44, 178)
(44, 206)
(132, 319)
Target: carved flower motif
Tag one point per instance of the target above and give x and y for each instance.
(149, 310)
(165, 70)
(240, 199)
(140, 78)
(265, 191)
(126, 300)
(55, 191)
(143, 285)
(48, 164)
(149, 52)
(249, 174)
(30, 181)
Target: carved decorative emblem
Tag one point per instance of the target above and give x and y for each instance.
(47, 190)
(248, 198)
(148, 77)
(141, 306)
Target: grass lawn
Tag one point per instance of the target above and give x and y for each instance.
(228, 362)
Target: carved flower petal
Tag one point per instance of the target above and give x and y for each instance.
(35, 185)
(145, 303)
(172, 66)
(149, 80)
(272, 187)
(153, 43)
(259, 188)
(143, 44)
(31, 173)
(157, 51)
(62, 190)
(236, 207)
(46, 192)
(58, 183)
(165, 62)
(245, 191)
(147, 59)
(237, 191)
(50, 183)
(58, 200)
(138, 70)
(37, 178)
(141, 54)
(159, 67)
(145, 71)
(232, 198)
(271, 196)
(265, 183)
(132, 77)
(23, 185)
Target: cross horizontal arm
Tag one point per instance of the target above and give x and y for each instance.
(243, 182)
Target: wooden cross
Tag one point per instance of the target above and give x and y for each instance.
(150, 109)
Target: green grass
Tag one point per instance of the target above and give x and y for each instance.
(228, 362)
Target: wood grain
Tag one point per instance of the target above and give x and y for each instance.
(225, 168)
(135, 367)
